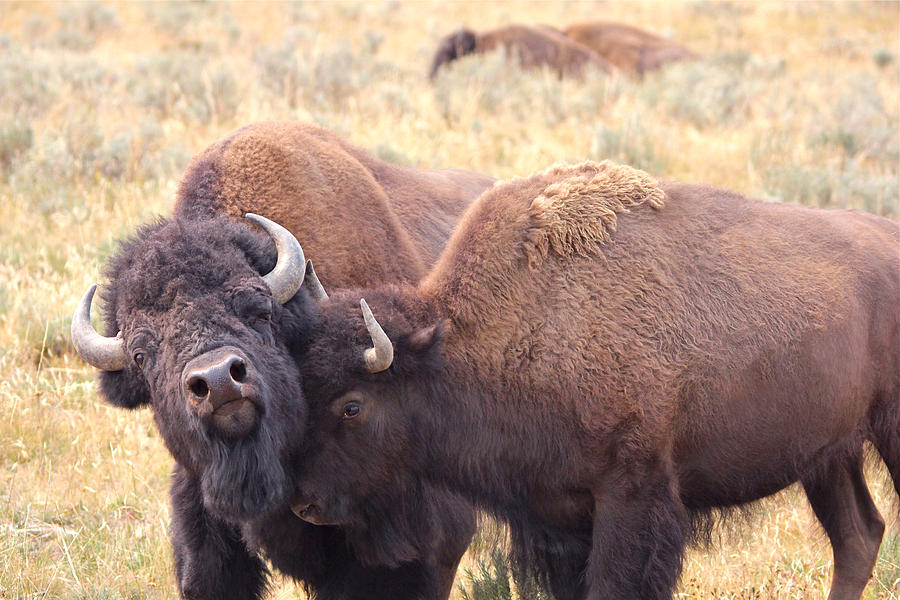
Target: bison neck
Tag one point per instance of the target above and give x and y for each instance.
(488, 443)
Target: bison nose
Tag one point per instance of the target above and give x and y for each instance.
(215, 378)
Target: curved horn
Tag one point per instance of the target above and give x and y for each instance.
(312, 282)
(287, 276)
(107, 353)
(381, 355)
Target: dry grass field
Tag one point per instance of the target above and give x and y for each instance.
(102, 104)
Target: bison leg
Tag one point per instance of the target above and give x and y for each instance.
(450, 552)
(840, 498)
(211, 560)
(639, 534)
(566, 581)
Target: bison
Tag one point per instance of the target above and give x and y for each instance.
(208, 337)
(605, 362)
(632, 50)
(534, 46)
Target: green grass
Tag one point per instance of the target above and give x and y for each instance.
(102, 105)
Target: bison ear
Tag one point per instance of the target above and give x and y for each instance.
(123, 389)
(420, 349)
(297, 317)
(424, 339)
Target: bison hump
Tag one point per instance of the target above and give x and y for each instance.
(540, 222)
(577, 214)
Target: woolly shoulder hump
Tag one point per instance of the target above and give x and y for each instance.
(566, 211)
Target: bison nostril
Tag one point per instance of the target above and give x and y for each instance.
(238, 371)
(216, 378)
(198, 387)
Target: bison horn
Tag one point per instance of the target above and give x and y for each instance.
(107, 353)
(381, 355)
(312, 282)
(287, 276)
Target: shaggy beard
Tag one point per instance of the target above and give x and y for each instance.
(245, 480)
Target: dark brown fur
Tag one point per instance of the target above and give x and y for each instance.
(598, 359)
(533, 46)
(632, 50)
(364, 222)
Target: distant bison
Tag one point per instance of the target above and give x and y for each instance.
(628, 48)
(534, 46)
(210, 331)
(602, 360)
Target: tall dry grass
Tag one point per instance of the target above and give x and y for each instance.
(101, 105)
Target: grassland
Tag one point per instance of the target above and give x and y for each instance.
(101, 105)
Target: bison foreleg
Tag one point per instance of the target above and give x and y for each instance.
(639, 534)
(211, 560)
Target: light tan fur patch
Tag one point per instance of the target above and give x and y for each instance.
(578, 215)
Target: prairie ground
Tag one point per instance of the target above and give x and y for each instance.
(102, 104)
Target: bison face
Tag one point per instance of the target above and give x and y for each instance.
(204, 339)
(363, 461)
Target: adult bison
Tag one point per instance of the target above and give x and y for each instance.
(628, 48)
(211, 344)
(534, 46)
(601, 360)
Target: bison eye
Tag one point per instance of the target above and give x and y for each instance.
(139, 359)
(351, 409)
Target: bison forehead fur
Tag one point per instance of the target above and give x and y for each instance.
(181, 288)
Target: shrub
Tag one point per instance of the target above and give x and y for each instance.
(628, 143)
(182, 85)
(81, 22)
(16, 138)
(88, 77)
(888, 568)
(112, 159)
(171, 18)
(72, 39)
(883, 57)
(92, 17)
(35, 28)
(280, 72)
(829, 187)
(390, 154)
(28, 86)
(722, 89)
(859, 123)
(490, 582)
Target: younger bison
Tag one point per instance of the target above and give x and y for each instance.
(601, 360)
(534, 46)
(212, 346)
(632, 50)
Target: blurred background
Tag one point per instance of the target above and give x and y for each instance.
(103, 104)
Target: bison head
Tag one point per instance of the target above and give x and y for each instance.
(457, 44)
(366, 446)
(203, 319)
